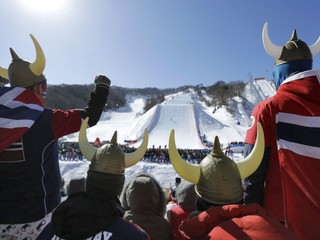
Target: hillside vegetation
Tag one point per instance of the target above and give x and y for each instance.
(76, 96)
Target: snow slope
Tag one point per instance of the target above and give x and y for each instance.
(186, 114)
(176, 113)
(183, 112)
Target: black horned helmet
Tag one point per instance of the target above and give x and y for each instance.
(110, 158)
(294, 50)
(217, 178)
(22, 73)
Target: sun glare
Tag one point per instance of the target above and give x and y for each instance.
(44, 5)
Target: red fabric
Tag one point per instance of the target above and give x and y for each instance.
(273, 198)
(301, 181)
(292, 184)
(62, 120)
(234, 222)
(177, 215)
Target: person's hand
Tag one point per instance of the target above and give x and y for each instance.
(102, 81)
(3, 81)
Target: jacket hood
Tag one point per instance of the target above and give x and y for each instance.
(144, 203)
(143, 194)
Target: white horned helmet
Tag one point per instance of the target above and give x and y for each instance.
(217, 178)
(23, 73)
(110, 157)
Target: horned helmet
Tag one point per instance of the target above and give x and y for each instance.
(22, 73)
(295, 49)
(109, 158)
(217, 178)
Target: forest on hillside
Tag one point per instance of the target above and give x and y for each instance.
(76, 96)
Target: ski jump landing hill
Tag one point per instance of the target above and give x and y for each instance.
(184, 113)
(176, 113)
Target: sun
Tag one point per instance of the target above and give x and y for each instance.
(44, 5)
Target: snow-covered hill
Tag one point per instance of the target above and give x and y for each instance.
(183, 112)
(191, 119)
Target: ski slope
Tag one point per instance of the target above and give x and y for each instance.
(186, 114)
(194, 116)
(177, 113)
(258, 90)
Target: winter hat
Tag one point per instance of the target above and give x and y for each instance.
(217, 177)
(186, 195)
(22, 73)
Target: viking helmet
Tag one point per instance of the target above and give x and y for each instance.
(22, 73)
(109, 158)
(294, 50)
(217, 177)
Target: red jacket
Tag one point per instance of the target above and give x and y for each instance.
(176, 215)
(238, 222)
(291, 123)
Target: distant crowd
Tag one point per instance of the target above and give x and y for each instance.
(69, 151)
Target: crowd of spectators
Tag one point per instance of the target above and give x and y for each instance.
(69, 151)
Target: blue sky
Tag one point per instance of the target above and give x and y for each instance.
(154, 43)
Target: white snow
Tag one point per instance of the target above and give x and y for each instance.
(183, 112)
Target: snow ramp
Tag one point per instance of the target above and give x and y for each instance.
(176, 113)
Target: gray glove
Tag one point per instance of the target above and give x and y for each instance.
(102, 81)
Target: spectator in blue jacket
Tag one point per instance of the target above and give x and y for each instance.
(30, 179)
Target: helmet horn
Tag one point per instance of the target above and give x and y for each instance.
(315, 48)
(131, 159)
(14, 56)
(248, 165)
(39, 64)
(272, 49)
(87, 149)
(4, 73)
(187, 171)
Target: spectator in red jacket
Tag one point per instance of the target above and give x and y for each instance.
(186, 204)
(287, 180)
(220, 213)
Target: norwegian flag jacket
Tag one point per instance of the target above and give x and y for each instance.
(290, 169)
(29, 168)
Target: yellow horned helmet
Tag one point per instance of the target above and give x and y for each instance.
(294, 50)
(217, 177)
(22, 73)
(110, 157)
